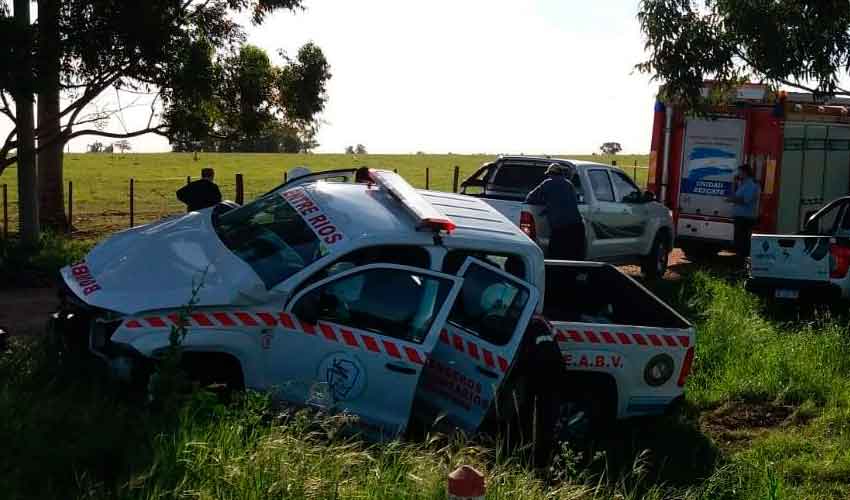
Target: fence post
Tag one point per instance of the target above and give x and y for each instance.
(70, 206)
(5, 212)
(455, 178)
(240, 189)
(427, 178)
(188, 179)
(132, 204)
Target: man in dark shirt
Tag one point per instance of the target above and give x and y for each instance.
(566, 237)
(202, 193)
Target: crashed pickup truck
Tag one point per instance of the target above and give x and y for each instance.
(810, 266)
(376, 299)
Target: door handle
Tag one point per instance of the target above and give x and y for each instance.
(486, 372)
(401, 369)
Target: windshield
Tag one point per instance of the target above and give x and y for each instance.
(271, 237)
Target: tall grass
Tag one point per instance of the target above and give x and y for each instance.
(66, 432)
(741, 354)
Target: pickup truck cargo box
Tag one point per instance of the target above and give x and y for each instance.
(609, 326)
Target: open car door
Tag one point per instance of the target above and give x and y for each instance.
(477, 347)
(357, 342)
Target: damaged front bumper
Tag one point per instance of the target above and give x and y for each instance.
(84, 333)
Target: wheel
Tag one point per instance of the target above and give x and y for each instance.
(654, 265)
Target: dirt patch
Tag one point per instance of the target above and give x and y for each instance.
(24, 311)
(733, 425)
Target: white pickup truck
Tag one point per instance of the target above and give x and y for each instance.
(811, 266)
(623, 224)
(376, 299)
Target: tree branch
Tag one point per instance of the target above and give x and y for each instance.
(6, 109)
(159, 130)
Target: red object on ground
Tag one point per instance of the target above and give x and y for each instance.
(466, 483)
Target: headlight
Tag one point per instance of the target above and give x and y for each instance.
(659, 370)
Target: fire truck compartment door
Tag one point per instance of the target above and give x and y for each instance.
(713, 150)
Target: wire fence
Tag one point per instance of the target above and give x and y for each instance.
(141, 200)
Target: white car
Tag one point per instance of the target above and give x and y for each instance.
(379, 300)
(623, 224)
(811, 266)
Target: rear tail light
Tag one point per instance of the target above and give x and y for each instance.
(839, 261)
(686, 367)
(527, 225)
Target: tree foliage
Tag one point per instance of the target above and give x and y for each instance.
(610, 148)
(175, 49)
(798, 43)
(247, 104)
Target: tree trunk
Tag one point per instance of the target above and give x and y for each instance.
(50, 182)
(27, 173)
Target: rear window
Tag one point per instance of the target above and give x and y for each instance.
(519, 177)
(270, 236)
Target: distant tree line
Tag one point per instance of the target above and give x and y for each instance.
(355, 150)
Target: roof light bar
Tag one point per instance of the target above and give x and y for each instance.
(426, 215)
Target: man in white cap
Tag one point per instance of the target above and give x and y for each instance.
(566, 238)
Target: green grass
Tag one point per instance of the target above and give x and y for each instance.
(68, 434)
(101, 181)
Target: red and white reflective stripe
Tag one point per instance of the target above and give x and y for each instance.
(479, 354)
(326, 331)
(205, 319)
(623, 338)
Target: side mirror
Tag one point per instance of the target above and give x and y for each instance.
(648, 196)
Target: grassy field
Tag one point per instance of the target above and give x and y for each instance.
(767, 417)
(101, 181)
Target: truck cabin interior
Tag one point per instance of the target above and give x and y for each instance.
(587, 292)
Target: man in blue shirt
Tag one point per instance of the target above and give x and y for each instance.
(566, 237)
(746, 210)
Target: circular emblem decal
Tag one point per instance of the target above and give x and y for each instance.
(344, 375)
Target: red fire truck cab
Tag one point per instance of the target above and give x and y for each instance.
(799, 149)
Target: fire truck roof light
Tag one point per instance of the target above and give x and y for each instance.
(425, 214)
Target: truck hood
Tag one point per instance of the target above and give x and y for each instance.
(156, 267)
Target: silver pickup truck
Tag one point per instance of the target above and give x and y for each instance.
(623, 224)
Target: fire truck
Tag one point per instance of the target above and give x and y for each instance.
(798, 147)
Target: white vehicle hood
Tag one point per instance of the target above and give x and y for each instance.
(156, 266)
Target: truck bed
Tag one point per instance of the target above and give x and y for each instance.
(609, 327)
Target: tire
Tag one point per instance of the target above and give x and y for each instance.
(654, 265)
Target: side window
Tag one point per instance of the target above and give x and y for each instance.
(489, 305)
(601, 185)
(844, 230)
(827, 223)
(626, 189)
(393, 302)
(512, 264)
(413, 256)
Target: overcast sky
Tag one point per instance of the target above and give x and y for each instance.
(467, 76)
